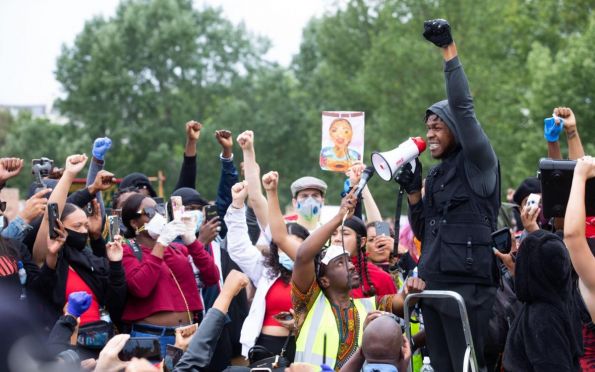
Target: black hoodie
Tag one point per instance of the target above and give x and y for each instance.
(545, 335)
(460, 207)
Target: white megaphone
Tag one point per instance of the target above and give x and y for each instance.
(386, 164)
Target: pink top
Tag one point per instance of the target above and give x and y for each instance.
(151, 287)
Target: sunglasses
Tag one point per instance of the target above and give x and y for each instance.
(152, 211)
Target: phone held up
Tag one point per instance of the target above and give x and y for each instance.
(53, 216)
(502, 240)
(141, 347)
(210, 212)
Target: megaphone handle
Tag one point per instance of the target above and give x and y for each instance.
(398, 220)
(412, 162)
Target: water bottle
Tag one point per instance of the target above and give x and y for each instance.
(426, 367)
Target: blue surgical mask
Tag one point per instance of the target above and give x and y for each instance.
(285, 261)
(198, 216)
(309, 208)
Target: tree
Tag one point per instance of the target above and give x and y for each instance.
(139, 76)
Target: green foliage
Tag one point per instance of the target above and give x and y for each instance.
(30, 138)
(139, 76)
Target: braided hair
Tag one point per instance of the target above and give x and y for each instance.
(362, 263)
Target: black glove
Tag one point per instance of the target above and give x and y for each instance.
(408, 179)
(437, 31)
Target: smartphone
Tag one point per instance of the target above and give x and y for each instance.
(141, 347)
(172, 357)
(210, 212)
(502, 240)
(177, 208)
(284, 316)
(382, 228)
(53, 216)
(114, 227)
(533, 201)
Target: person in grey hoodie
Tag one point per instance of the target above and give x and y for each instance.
(457, 214)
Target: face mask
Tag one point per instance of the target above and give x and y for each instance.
(309, 209)
(285, 261)
(197, 216)
(76, 240)
(155, 225)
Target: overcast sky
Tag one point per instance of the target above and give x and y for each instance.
(33, 31)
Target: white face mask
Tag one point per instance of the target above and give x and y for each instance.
(155, 225)
(309, 208)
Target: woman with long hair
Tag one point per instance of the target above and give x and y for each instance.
(271, 274)
(69, 267)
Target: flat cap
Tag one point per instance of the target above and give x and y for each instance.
(308, 183)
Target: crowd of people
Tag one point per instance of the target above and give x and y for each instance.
(141, 284)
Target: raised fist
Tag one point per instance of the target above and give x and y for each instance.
(224, 138)
(246, 140)
(437, 31)
(100, 147)
(270, 181)
(193, 130)
(75, 163)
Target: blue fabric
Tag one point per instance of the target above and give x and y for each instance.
(16, 229)
(229, 177)
(163, 340)
(551, 131)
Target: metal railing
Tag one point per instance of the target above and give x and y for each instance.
(469, 357)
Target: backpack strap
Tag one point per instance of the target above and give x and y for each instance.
(135, 249)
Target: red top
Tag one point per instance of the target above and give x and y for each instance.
(382, 280)
(74, 283)
(151, 287)
(278, 299)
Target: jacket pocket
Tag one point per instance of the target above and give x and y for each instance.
(466, 250)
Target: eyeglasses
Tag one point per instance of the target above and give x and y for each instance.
(152, 211)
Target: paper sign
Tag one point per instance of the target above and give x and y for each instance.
(342, 139)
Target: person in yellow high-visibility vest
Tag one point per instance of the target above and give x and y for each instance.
(329, 321)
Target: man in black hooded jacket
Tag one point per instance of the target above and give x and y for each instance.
(457, 214)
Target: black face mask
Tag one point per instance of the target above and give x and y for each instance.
(76, 240)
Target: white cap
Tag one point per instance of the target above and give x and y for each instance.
(333, 251)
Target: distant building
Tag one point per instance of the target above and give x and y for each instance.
(37, 111)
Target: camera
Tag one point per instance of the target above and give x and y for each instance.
(42, 166)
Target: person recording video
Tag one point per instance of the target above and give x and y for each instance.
(457, 214)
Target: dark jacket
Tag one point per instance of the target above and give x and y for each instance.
(459, 210)
(201, 348)
(546, 334)
(106, 279)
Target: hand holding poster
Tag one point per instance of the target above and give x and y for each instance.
(342, 139)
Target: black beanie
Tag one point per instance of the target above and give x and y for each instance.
(190, 196)
(138, 180)
(529, 186)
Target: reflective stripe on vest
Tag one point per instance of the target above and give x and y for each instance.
(320, 321)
